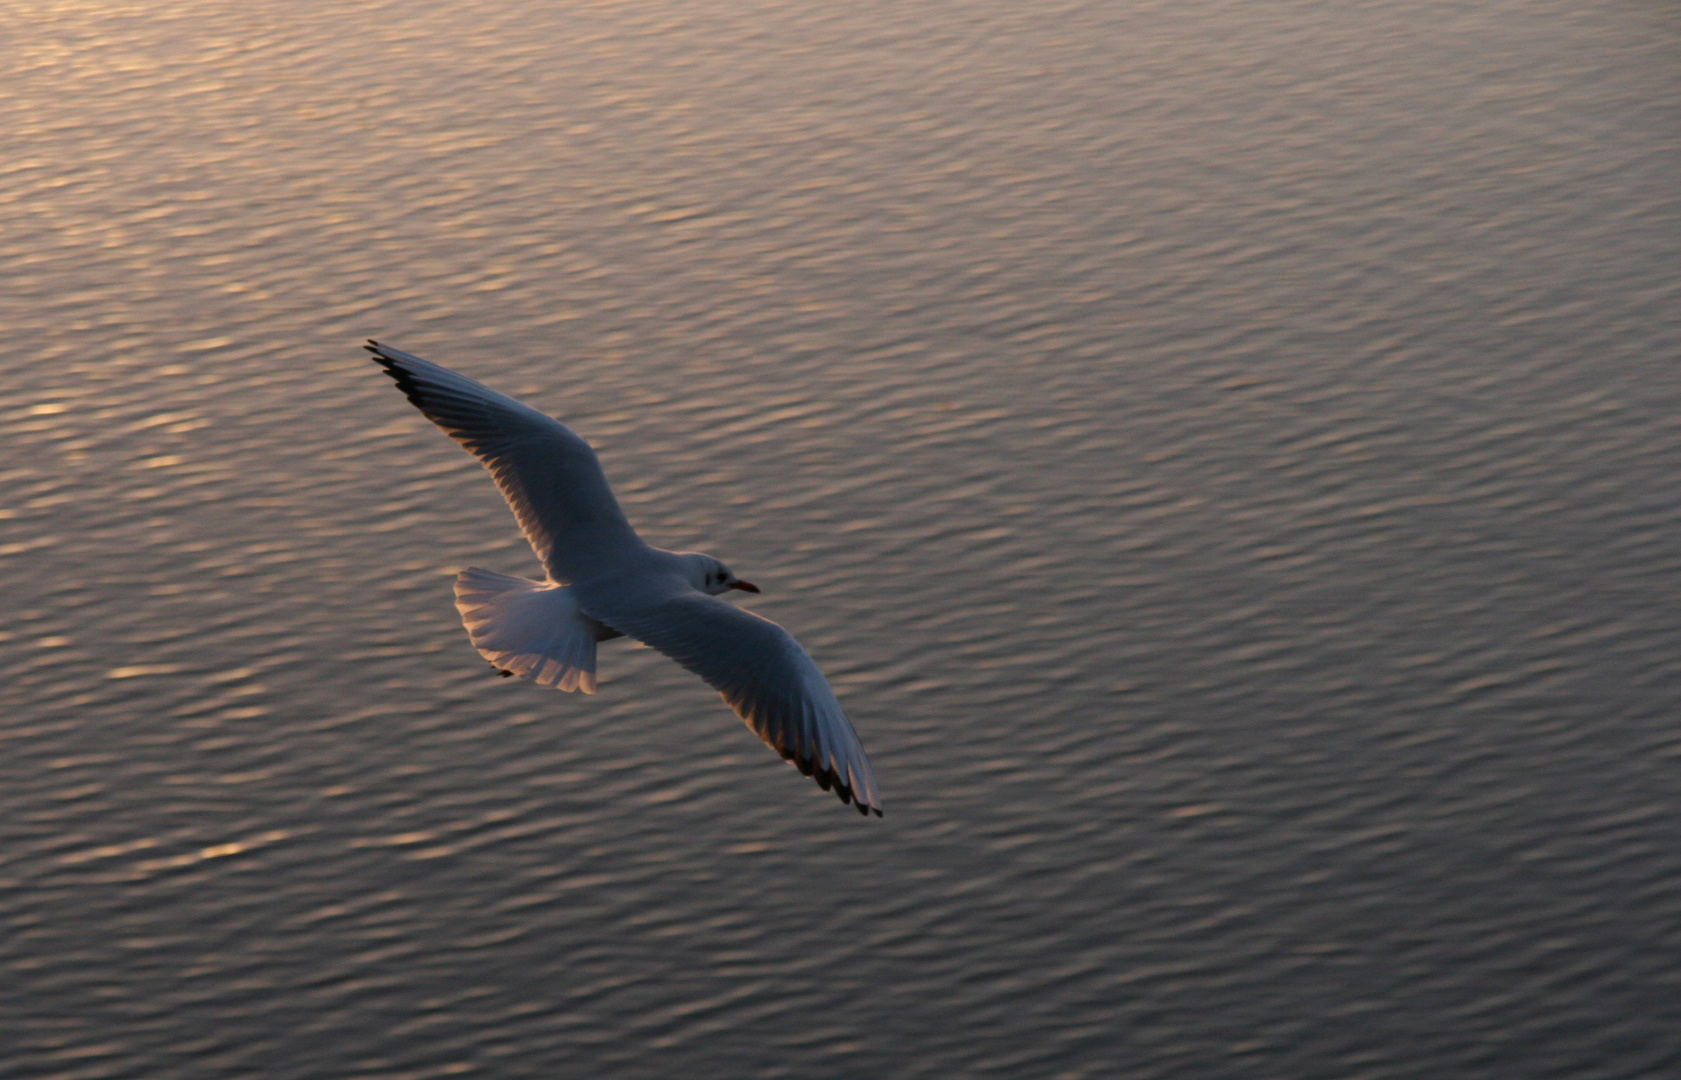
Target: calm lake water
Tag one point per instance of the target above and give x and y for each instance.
(1226, 455)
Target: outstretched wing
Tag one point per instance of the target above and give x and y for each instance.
(550, 477)
(764, 675)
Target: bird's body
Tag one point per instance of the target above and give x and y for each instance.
(603, 581)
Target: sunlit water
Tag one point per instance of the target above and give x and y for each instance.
(1226, 455)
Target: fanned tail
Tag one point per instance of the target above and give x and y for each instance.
(529, 629)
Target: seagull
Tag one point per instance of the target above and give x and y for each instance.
(604, 582)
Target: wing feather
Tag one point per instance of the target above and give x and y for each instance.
(549, 475)
(764, 675)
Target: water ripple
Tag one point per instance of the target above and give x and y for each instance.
(1222, 454)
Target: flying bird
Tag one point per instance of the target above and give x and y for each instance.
(604, 582)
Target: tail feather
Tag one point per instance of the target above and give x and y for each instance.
(529, 628)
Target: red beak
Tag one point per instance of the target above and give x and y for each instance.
(744, 586)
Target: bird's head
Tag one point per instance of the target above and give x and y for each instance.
(712, 577)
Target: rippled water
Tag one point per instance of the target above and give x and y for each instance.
(1225, 454)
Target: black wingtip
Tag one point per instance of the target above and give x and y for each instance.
(383, 358)
(400, 375)
(829, 779)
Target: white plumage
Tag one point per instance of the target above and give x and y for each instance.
(529, 628)
(603, 582)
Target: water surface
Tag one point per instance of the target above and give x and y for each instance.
(1224, 455)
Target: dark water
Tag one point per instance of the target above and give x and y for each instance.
(1226, 455)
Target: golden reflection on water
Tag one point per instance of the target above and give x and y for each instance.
(1223, 455)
